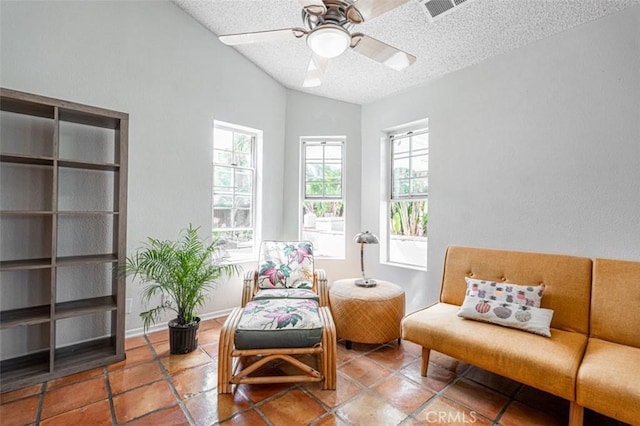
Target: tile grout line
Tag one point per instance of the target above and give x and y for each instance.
(112, 408)
(167, 379)
(43, 389)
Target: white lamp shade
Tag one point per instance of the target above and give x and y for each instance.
(329, 41)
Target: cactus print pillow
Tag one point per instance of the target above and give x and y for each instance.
(528, 295)
(513, 315)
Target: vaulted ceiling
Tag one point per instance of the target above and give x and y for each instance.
(464, 35)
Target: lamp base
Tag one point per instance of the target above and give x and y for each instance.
(366, 282)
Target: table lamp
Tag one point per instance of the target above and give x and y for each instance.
(363, 238)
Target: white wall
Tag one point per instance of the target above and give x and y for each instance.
(537, 150)
(309, 115)
(174, 78)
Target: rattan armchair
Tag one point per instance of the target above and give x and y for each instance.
(284, 317)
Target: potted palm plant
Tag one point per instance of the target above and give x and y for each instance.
(182, 272)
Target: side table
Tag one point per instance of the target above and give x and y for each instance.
(366, 314)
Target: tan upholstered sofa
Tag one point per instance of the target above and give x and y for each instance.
(609, 375)
(552, 364)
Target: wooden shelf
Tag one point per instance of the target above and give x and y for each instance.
(86, 259)
(85, 306)
(14, 265)
(26, 159)
(68, 357)
(25, 316)
(74, 164)
(26, 212)
(24, 369)
(63, 142)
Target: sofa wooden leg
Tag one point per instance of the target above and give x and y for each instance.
(576, 414)
(425, 361)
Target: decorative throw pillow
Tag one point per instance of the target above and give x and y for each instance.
(528, 295)
(286, 265)
(513, 315)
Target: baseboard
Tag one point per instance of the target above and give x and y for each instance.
(163, 325)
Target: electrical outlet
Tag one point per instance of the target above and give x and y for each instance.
(128, 303)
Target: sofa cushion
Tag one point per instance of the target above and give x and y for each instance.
(527, 318)
(285, 264)
(286, 293)
(615, 301)
(567, 280)
(528, 295)
(279, 323)
(524, 357)
(609, 380)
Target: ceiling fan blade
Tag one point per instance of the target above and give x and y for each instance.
(381, 52)
(315, 71)
(262, 36)
(314, 7)
(365, 10)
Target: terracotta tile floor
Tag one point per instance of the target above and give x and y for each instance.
(377, 385)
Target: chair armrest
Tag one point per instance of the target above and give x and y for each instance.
(322, 287)
(250, 286)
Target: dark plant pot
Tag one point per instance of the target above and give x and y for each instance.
(183, 338)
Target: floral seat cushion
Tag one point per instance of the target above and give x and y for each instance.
(279, 323)
(286, 293)
(286, 264)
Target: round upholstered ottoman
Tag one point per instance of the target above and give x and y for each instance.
(366, 314)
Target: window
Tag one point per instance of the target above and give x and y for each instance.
(234, 188)
(323, 196)
(408, 214)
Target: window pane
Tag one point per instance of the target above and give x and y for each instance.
(243, 181)
(243, 160)
(222, 178)
(313, 152)
(333, 189)
(401, 169)
(222, 201)
(243, 143)
(401, 146)
(408, 218)
(420, 143)
(314, 172)
(235, 239)
(314, 189)
(333, 172)
(420, 186)
(222, 218)
(243, 201)
(420, 166)
(223, 139)
(333, 153)
(222, 157)
(243, 218)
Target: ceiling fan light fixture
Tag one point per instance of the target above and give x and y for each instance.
(329, 41)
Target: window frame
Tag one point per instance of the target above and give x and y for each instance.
(339, 141)
(420, 128)
(240, 255)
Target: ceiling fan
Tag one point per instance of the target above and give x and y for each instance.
(328, 25)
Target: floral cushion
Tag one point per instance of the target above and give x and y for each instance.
(528, 295)
(286, 264)
(286, 293)
(513, 315)
(279, 323)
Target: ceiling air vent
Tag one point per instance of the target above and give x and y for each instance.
(438, 8)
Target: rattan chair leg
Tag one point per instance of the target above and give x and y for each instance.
(329, 353)
(225, 351)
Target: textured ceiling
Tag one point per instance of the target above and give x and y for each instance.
(470, 33)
